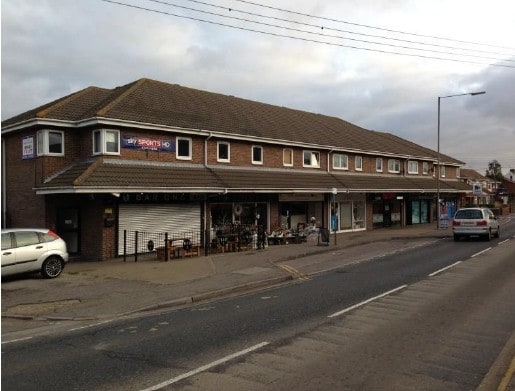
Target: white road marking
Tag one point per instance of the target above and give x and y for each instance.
(366, 301)
(504, 241)
(90, 325)
(481, 252)
(443, 269)
(206, 367)
(16, 340)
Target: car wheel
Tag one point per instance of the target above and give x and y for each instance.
(488, 236)
(52, 267)
(456, 237)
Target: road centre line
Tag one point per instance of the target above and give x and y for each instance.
(16, 340)
(206, 367)
(481, 252)
(366, 301)
(443, 269)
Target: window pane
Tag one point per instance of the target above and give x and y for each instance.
(26, 238)
(55, 142)
(223, 151)
(307, 158)
(6, 241)
(257, 155)
(97, 138)
(288, 157)
(41, 142)
(111, 140)
(379, 164)
(183, 148)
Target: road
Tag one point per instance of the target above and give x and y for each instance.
(433, 317)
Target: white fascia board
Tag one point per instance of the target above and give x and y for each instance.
(107, 190)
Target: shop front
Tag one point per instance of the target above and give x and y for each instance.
(418, 210)
(300, 210)
(348, 212)
(387, 210)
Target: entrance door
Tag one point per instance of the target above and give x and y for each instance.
(387, 214)
(68, 227)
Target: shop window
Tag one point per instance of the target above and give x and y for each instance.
(340, 161)
(394, 166)
(50, 142)
(106, 142)
(288, 157)
(257, 154)
(183, 148)
(412, 167)
(358, 163)
(223, 152)
(311, 159)
(379, 164)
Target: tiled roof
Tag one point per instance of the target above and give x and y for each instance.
(154, 102)
(116, 175)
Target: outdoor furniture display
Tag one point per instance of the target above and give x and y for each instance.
(178, 248)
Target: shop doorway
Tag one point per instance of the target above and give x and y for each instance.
(68, 227)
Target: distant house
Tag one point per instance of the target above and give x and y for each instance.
(158, 157)
(489, 187)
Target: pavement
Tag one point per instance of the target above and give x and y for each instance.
(89, 292)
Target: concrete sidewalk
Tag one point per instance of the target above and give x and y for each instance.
(100, 290)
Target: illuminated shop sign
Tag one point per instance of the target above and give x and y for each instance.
(153, 144)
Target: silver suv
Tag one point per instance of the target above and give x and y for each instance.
(31, 250)
(475, 222)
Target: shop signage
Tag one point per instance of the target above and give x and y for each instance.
(296, 197)
(152, 144)
(149, 198)
(27, 147)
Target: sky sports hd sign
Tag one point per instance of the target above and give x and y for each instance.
(147, 143)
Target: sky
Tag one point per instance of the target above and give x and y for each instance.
(380, 64)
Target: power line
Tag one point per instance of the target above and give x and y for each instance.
(370, 27)
(323, 27)
(295, 37)
(321, 34)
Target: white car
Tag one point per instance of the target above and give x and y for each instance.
(475, 222)
(33, 250)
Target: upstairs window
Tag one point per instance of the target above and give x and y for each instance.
(379, 164)
(288, 157)
(224, 152)
(106, 142)
(183, 148)
(257, 154)
(358, 163)
(425, 168)
(340, 161)
(412, 167)
(50, 143)
(394, 166)
(442, 171)
(311, 159)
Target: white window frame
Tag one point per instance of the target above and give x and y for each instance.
(379, 164)
(340, 161)
(394, 166)
(288, 151)
(103, 143)
(358, 163)
(425, 168)
(412, 167)
(43, 143)
(442, 171)
(314, 159)
(254, 148)
(218, 158)
(183, 157)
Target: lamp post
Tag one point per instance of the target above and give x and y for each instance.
(438, 153)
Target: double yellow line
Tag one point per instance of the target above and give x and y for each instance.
(294, 272)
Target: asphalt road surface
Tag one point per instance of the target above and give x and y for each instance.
(431, 318)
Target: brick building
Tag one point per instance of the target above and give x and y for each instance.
(161, 157)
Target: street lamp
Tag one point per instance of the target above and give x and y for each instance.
(438, 153)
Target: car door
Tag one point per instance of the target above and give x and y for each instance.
(8, 255)
(494, 223)
(29, 251)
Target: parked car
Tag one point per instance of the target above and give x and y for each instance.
(475, 222)
(33, 250)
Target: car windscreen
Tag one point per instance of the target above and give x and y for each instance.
(469, 214)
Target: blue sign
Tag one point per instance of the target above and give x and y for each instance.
(147, 143)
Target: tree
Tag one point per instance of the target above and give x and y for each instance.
(494, 171)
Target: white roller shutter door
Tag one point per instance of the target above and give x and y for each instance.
(155, 218)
